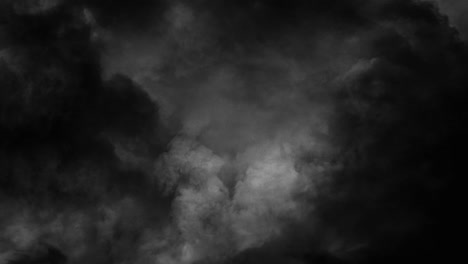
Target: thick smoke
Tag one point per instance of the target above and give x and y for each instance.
(323, 131)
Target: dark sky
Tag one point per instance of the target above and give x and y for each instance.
(219, 131)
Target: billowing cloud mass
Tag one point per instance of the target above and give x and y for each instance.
(206, 131)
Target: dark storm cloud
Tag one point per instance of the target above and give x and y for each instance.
(399, 115)
(305, 131)
(73, 146)
(53, 93)
(399, 112)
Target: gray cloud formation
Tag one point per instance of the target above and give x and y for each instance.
(456, 10)
(298, 132)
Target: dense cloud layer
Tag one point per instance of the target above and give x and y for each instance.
(73, 146)
(229, 131)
